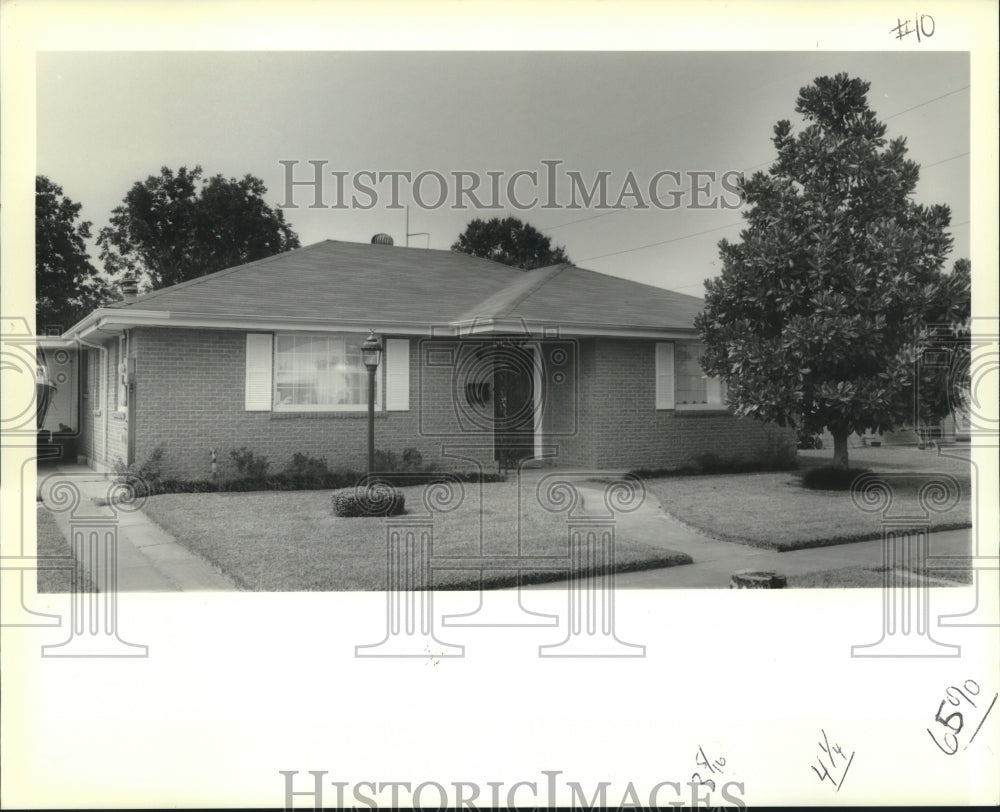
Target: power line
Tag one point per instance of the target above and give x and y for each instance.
(662, 242)
(770, 160)
(945, 160)
(929, 101)
(696, 234)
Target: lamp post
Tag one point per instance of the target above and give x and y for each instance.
(371, 354)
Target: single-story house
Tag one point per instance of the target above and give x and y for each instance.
(483, 364)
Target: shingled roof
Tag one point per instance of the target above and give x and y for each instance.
(344, 282)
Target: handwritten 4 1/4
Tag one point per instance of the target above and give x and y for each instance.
(954, 722)
(836, 765)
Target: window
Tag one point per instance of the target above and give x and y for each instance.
(321, 373)
(680, 381)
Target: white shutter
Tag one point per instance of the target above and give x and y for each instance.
(258, 377)
(664, 375)
(397, 374)
(713, 390)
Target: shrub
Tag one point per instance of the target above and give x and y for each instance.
(709, 463)
(305, 465)
(143, 477)
(187, 486)
(249, 465)
(807, 440)
(380, 499)
(778, 456)
(413, 460)
(410, 461)
(294, 482)
(829, 478)
(386, 460)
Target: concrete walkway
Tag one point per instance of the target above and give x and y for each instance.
(715, 561)
(149, 559)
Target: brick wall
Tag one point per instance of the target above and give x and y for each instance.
(599, 410)
(190, 398)
(569, 407)
(618, 408)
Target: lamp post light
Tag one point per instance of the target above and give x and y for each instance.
(371, 354)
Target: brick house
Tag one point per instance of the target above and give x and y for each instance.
(483, 364)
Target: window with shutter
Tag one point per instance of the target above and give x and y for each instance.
(258, 373)
(322, 372)
(664, 375)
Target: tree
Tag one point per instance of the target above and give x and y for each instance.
(509, 241)
(817, 317)
(174, 227)
(67, 286)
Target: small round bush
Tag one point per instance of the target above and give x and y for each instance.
(374, 500)
(829, 478)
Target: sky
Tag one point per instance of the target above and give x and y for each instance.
(108, 119)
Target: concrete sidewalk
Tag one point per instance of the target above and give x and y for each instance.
(715, 561)
(149, 558)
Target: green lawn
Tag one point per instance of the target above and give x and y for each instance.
(773, 510)
(55, 558)
(291, 541)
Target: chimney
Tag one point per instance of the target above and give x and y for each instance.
(129, 288)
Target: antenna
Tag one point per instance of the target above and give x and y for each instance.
(409, 233)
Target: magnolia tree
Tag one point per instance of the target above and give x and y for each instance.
(818, 317)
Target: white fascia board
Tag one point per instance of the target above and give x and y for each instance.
(113, 319)
(556, 330)
(118, 319)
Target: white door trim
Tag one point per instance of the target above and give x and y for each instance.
(537, 400)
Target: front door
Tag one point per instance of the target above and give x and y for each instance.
(513, 405)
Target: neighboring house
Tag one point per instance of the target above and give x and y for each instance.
(483, 364)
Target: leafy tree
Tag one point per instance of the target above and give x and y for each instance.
(174, 227)
(67, 286)
(818, 314)
(509, 241)
(946, 346)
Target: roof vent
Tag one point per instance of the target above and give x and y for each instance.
(382, 239)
